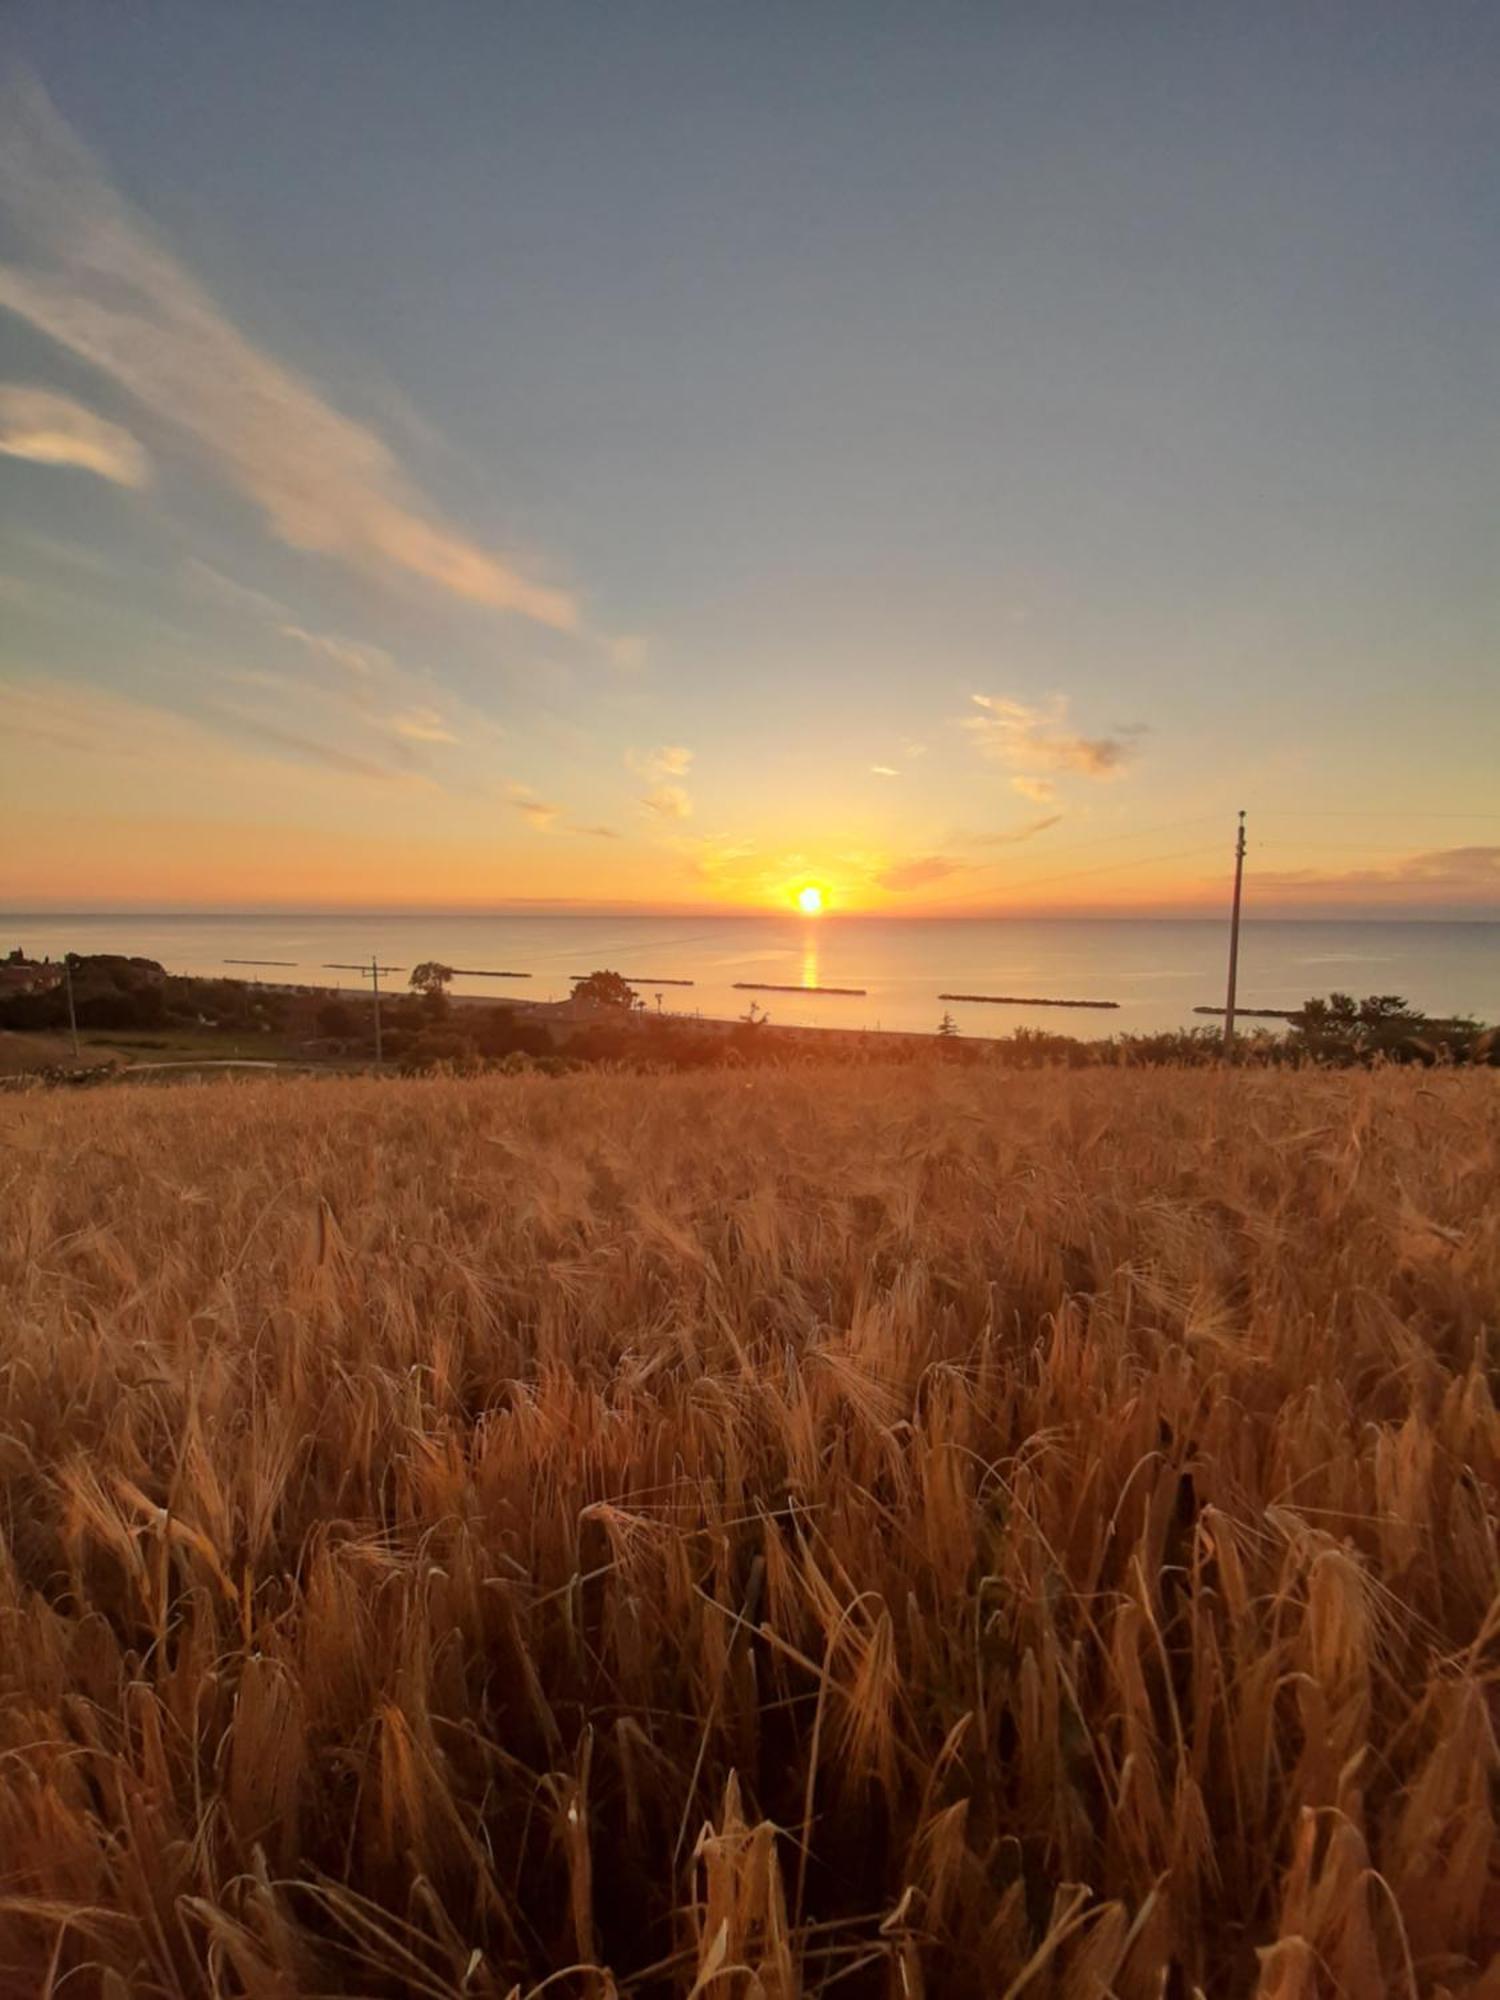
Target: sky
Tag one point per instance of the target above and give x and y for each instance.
(666, 456)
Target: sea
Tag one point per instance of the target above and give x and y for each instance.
(1156, 970)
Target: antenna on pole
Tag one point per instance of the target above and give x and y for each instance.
(1234, 935)
(375, 989)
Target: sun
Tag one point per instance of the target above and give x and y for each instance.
(810, 900)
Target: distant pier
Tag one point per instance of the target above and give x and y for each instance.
(1022, 1000)
(1255, 1013)
(765, 986)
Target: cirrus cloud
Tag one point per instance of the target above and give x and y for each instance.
(351, 654)
(100, 283)
(51, 429)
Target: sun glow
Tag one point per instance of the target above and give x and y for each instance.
(810, 900)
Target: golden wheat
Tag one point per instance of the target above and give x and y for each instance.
(936, 1532)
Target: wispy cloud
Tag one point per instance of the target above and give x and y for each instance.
(1012, 835)
(359, 687)
(917, 873)
(1034, 741)
(597, 832)
(1458, 873)
(537, 813)
(668, 802)
(884, 771)
(310, 749)
(100, 283)
(51, 429)
(96, 723)
(421, 725)
(350, 654)
(205, 581)
(1041, 791)
(669, 760)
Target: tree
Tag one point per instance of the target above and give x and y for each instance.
(431, 976)
(1383, 1010)
(1342, 1029)
(429, 979)
(606, 989)
(947, 1027)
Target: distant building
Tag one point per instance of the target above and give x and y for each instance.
(20, 974)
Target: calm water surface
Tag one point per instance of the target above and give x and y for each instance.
(1158, 970)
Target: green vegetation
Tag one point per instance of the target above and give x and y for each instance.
(121, 1000)
(605, 989)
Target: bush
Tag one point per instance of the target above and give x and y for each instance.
(336, 1017)
(141, 1006)
(440, 1048)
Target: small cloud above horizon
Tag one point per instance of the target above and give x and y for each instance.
(1453, 871)
(668, 760)
(1035, 741)
(668, 802)
(421, 725)
(539, 814)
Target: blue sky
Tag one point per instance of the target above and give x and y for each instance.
(664, 454)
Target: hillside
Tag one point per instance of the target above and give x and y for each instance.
(906, 1531)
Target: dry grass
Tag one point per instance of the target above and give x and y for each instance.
(908, 1533)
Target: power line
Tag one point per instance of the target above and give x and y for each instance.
(1114, 839)
(1139, 861)
(1339, 846)
(1373, 812)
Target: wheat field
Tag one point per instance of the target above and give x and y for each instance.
(910, 1532)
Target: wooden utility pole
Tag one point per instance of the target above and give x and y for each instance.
(1234, 936)
(72, 1012)
(375, 989)
(372, 972)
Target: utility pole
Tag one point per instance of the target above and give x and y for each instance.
(375, 989)
(72, 1012)
(372, 972)
(1234, 936)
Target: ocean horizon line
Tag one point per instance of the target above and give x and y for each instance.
(592, 912)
